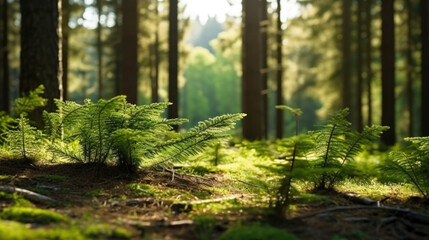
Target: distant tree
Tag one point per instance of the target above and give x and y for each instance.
(4, 57)
(279, 73)
(368, 67)
(253, 123)
(65, 44)
(155, 56)
(388, 72)
(359, 66)
(40, 50)
(129, 50)
(424, 8)
(346, 60)
(99, 45)
(264, 64)
(173, 52)
(410, 66)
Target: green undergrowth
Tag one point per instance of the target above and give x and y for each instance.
(32, 215)
(14, 199)
(11, 230)
(256, 232)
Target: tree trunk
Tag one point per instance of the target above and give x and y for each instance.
(252, 81)
(410, 67)
(4, 57)
(424, 8)
(388, 72)
(264, 64)
(41, 50)
(346, 54)
(279, 72)
(129, 50)
(155, 77)
(117, 48)
(173, 53)
(359, 67)
(65, 43)
(99, 50)
(368, 23)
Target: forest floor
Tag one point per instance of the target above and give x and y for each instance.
(152, 205)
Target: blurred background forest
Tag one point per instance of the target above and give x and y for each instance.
(317, 55)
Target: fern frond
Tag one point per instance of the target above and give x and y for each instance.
(29, 101)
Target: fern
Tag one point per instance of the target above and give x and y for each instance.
(295, 150)
(25, 140)
(206, 133)
(337, 145)
(29, 101)
(6, 123)
(412, 164)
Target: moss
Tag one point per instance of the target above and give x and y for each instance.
(32, 215)
(255, 232)
(204, 226)
(15, 199)
(145, 190)
(16, 231)
(103, 231)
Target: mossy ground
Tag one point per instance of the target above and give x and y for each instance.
(99, 202)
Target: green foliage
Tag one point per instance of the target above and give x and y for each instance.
(204, 226)
(129, 135)
(32, 215)
(28, 102)
(25, 140)
(337, 145)
(256, 232)
(194, 141)
(104, 231)
(411, 164)
(6, 123)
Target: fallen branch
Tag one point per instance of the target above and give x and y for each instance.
(32, 196)
(159, 223)
(187, 206)
(416, 216)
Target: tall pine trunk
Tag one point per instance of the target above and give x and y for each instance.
(410, 67)
(359, 67)
(346, 54)
(264, 64)
(368, 22)
(4, 57)
(155, 77)
(173, 53)
(279, 73)
(41, 50)
(99, 50)
(388, 72)
(129, 50)
(252, 87)
(424, 8)
(65, 45)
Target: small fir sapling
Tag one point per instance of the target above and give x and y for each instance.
(298, 148)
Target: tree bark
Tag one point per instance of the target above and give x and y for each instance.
(252, 81)
(346, 54)
(359, 67)
(129, 50)
(4, 57)
(279, 73)
(155, 77)
(173, 53)
(410, 67)
(264, 65)
(41, 50)
(388, 72)
(368, 24)
(424, 8)
(65, 43)
(99, 50)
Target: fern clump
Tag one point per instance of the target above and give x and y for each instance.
(127, 134)
(411, 164)
(337, 145)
